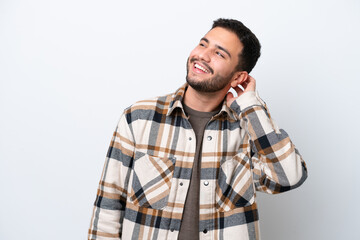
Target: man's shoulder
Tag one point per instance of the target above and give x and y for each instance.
(159, 104)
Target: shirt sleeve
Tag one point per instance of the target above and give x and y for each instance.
(109, 206)
(277, 165)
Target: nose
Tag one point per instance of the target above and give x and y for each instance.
(204, 55)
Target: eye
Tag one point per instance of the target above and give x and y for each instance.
(220, 54)
(201, 45)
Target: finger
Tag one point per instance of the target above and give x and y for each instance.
(229, 95)
(244, 84)
(238, 90)
(250, 83)
(251, 79)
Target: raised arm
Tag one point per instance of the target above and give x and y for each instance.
(277, 164)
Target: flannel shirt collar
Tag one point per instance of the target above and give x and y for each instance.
(178, 96)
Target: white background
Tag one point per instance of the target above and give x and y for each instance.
(69, 68)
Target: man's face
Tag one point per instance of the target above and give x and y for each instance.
(211, 65)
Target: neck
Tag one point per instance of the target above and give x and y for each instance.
(204, 102)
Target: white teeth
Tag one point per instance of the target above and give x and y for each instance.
(201, 68)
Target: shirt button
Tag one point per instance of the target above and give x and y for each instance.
(206, 183)
(205, 231)
(209, 138)
(181, 184)
(190, 138)
(171, 229)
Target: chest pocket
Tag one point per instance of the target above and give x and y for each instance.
(235, 186)
(151, 181)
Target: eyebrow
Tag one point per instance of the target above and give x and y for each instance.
(219, 47)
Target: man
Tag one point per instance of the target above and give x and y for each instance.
(187, 165)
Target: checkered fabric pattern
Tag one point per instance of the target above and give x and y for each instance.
(147, 171)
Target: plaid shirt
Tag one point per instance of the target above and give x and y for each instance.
(147, 171)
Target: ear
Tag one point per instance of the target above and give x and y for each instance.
(238, 78)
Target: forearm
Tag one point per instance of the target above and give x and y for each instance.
(109, 206)
(277, 165)
(105, 224)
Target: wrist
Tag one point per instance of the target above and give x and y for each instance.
(246, 100)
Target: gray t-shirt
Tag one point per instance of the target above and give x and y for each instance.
(189, 229)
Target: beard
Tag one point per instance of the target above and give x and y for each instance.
(210, 85)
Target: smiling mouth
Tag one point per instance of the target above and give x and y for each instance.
(201, 68)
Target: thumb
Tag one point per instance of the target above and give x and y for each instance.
(229, 98)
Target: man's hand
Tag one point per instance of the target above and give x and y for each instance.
(248, 85)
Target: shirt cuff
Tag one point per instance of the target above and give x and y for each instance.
(246, 100)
